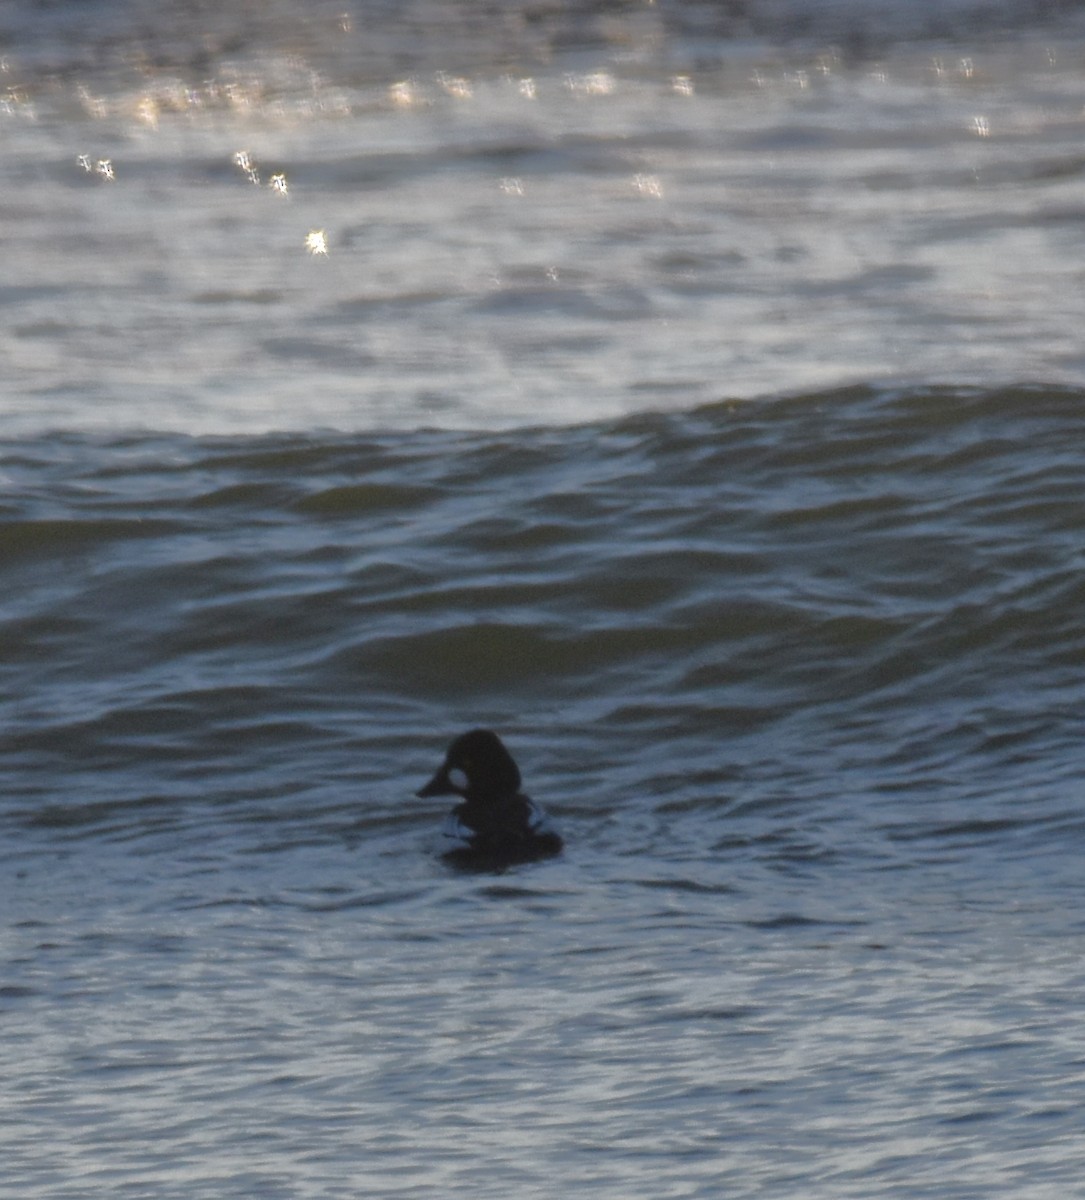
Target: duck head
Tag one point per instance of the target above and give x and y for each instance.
(476, 767)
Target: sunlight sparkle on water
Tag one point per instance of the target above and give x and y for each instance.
(596, 83)
(316, 241)
(456, 86)
(147, 111)
(402, 94)
(648, 185)
(244, 162)
(102, 167)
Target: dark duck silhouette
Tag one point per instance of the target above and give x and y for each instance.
(496, 824)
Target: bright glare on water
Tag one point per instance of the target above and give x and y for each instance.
(259, 242)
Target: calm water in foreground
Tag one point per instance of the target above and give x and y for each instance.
(704, 413)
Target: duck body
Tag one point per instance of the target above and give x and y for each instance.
(496, 824)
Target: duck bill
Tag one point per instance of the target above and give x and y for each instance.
(437, 786)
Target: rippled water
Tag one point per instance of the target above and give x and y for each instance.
(800, 679)
(691, 393)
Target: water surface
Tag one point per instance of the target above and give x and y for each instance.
(692, 395)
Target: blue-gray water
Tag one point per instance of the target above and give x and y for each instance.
(694, 396)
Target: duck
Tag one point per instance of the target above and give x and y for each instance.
(496, 824)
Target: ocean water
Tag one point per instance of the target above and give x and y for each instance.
(692, 393)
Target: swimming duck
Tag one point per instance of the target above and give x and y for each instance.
(496, 823)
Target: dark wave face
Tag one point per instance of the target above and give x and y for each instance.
(867, 601)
